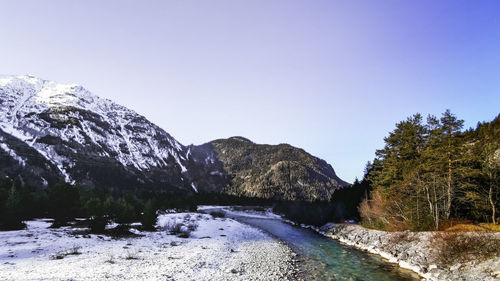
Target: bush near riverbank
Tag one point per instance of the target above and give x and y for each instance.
(462, 247)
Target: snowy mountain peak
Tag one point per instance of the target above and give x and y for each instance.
(60, 121)
(29, 92)
(44, 91)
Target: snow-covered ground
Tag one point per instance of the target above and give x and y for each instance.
(219, 249)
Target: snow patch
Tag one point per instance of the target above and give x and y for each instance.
(194, 187)
(12, 153)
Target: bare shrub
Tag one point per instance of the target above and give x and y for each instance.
(180, 229)
(397, 225)
(61, 255)
(373, 212)
(192, 226)
(111, 260)
(185, 231)
(457, 247)
(174, 227)
(131, 256)
(74, 251)
(184, 234)
(57, 256)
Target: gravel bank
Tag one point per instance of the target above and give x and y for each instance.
(219, 249)
(413, 250)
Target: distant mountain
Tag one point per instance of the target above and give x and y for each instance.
(51, 132)
(281, 172)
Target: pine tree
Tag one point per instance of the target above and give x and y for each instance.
(125, 213)
(149, 216)
(64, 202)
(96, 214)
(451, 144)
(392, 173)
(13, 210)
(487, 152)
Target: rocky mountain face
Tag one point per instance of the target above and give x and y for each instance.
(85, 139)
(281, 172)
(51, 132)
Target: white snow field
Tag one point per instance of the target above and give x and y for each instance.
(219, 249)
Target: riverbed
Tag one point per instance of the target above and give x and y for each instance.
(321, 258)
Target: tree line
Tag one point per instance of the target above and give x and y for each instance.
(430, 174)
(64, 202)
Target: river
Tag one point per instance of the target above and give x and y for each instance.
(321, 258)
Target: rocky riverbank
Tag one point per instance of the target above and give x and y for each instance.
(422, 252)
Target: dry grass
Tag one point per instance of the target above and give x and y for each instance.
(488, 227)
(459, 247)
(491, 227)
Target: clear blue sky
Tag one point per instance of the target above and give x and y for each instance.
(332, 77)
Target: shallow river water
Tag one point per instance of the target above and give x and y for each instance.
(322, 258)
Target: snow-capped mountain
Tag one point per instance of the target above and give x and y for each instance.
(90, 140)
(51, 132)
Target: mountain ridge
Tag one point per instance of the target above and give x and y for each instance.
(96, 142)
(281, 172)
